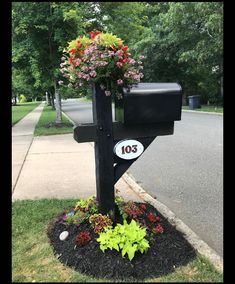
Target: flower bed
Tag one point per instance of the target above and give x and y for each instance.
(139, 244)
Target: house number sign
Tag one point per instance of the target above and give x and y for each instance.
(128, 149)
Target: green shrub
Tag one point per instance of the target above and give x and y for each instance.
(23, 99)
(90, 205)
(127, 237)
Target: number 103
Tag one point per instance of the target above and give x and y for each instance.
(129, 149)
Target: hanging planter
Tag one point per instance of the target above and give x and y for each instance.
(101, 58)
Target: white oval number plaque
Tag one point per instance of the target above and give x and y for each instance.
(128, 149)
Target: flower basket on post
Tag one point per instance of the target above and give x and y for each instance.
(102, 61)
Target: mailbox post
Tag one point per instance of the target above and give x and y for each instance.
(146, 111)
(102, 115)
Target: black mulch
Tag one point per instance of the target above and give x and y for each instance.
(167, 251)
(58, 125)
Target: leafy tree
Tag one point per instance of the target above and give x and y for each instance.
(185, 44)
(182, 42)
(40, 32)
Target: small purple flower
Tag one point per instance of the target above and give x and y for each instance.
(131, 61)
(119, 64)
(93, 74)
(119, 82)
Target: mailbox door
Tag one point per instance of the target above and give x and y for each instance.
(152, 103)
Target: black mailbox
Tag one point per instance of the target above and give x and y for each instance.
(150, 103)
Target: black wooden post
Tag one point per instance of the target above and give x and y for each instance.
(102, 115)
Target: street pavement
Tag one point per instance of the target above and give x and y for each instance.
(184, 170)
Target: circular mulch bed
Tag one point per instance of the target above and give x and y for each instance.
(167, 251)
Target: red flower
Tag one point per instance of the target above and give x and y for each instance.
(73, 50)
(158, 229)
(143, 206)
(71, 60)
(125, 48)
(94, 34)
(151, 217)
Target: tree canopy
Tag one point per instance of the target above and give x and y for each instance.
(182, 41)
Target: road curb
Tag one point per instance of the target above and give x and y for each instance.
(207, 112)
(200, 246)
(69, 118)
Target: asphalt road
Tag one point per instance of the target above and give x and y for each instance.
(184, 171)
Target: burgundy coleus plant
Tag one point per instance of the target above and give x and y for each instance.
(83, 238)
(153, 218)
(158, 229)
(142, 206)
(132, 210)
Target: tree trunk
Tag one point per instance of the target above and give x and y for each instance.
(58, 106)
(221, 87)
(48, 100)
(52, 100)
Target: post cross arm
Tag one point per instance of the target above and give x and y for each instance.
(87, 132)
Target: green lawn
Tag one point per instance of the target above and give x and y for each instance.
(21, 110)
(48, 115)
(33, 259)
(207, 108)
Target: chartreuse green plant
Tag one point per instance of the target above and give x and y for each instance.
(90, 205)
(129, 238)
